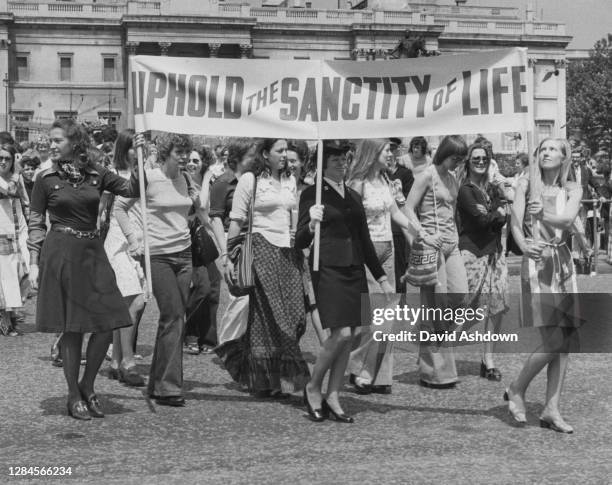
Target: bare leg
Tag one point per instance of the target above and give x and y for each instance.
(554, 385)
(337, 370)
(71, 355)
(330, 350)
(136, 306)
(116, 359)
(492, 324)
(96, 350)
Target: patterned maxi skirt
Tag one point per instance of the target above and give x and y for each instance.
(268, 355)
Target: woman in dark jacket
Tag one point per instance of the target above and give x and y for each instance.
(77, 289)
(345, 248)
(481, 217)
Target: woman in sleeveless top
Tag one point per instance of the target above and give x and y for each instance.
(371, 363)
(548, 280)
(434, 195)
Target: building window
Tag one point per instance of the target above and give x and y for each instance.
(111, 117)
(544, 129)
(21, 124)
(65, 67)
(23, 71)
(109, 74)
(65, 115)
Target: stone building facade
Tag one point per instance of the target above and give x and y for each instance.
(63, 58)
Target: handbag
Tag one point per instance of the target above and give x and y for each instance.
(423, 259)
(203, 249)
(240, 253)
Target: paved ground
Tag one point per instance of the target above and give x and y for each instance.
(223, 435)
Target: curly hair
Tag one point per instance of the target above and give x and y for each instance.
(76, 134)
(166, 142)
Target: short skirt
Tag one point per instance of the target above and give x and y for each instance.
(338, 292)
(77, 289)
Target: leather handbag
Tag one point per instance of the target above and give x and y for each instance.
(423, 259)
(240, 253)
(203, 249)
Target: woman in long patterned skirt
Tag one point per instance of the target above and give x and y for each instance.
(267, 358)
(548, 280)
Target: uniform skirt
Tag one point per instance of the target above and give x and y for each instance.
(338, 292)
(77, 287)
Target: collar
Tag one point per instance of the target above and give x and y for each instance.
(54, 170)
(333, 183)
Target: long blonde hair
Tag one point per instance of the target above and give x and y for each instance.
(566, 163)
(364, 162)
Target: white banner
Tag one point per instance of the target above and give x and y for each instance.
(484, 91)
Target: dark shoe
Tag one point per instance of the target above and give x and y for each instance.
(380, 389)
(279, 395)
(450, 385)
(111, 373)
(131, 377)
(359, 388)
(342, 418)
(316, 415)
(78, 410)
(492, 374)
(205, 349)
(264, 394)
(93, 405)
(57, 362)
(192, 348)
(176, 401)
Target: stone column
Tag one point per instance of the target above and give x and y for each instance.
(214, 49)
(245, 51)
(5, 96)
(164, 46)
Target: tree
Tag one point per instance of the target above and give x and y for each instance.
(589, 94)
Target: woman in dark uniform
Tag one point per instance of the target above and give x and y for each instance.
(341, 279)
(77, 289)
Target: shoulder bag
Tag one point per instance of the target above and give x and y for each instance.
(423, 259)
(203, 249)
(240, 253)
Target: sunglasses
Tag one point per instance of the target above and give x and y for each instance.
(479, 159)
(8, 159)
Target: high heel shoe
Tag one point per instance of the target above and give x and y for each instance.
(491, 374)
(559, 425)
(78, 410)
(342, 418)
(518, 416)
(316, 415)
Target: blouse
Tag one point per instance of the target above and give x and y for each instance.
(273, 203)
(377, 201)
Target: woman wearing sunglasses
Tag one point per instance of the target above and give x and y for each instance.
(481, 217)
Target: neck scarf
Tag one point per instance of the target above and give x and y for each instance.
(73, 174)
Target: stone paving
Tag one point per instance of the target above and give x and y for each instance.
(223, 435)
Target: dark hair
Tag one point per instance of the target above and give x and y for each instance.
(97, 137)
(524, 158)
(9, 147)
(30, 160)
(237, 149)
(122, 146)
(6, 138)
(418, 141)
(207, 156)
(109, 134)
(166, 142)
(463, 177)
(76, 134)
(300, 147)
(261, 164)
(451, 145)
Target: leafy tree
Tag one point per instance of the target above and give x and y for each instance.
(589, 95)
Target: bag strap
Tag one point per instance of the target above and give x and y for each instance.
(252, 205)
(435, 201)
